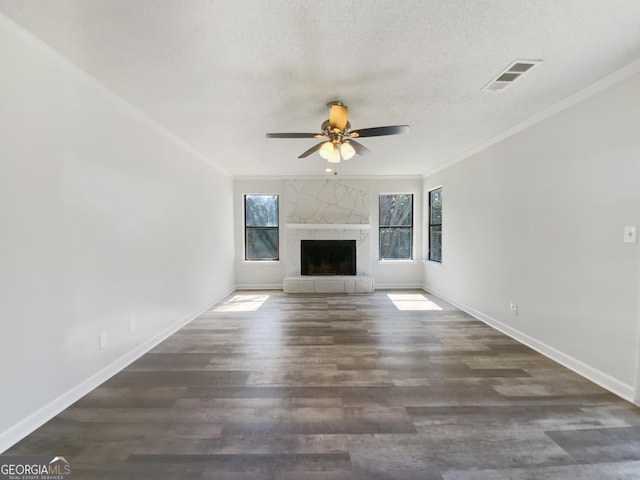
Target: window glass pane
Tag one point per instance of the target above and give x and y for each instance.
(436, 207)
(395, 243)
(262, 244)
(435, 243)
(396, 209)
(261, 210)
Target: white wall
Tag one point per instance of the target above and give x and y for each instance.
(105, 218)
(386, 274)
(538, 219)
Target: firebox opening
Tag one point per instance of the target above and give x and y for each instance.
(328, 257)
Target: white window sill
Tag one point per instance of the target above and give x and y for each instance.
(432, 263)
(262, 262)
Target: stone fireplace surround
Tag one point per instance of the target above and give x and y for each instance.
(327, 209)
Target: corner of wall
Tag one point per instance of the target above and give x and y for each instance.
(596, 376)
(28, 425)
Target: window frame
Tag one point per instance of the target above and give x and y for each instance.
(433, 224)
(410, 228)
(248, 228)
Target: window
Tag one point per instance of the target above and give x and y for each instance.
(396, 226)
(435, 225)
(261, 227)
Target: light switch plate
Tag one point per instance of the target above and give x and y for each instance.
(630, 234)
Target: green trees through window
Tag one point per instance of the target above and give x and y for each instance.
(435, 225)
(261, 227)
(396, 226)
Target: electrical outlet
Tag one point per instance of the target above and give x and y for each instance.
(630, 233)
(514, 308)
(133, 326)
(103, 340)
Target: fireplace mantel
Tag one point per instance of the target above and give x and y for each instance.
(329, 226)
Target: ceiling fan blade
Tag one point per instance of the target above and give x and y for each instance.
(294, 135)
(315, 148)
(359, 148)
(379, 131)
(338, 116)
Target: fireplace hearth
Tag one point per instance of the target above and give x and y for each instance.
(328, 257)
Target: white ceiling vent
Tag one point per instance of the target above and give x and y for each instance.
(514, 71)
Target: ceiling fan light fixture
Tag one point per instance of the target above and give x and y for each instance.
(334, 157)
(325, 150)
(347, 150)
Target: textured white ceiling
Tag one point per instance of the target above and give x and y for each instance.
(220, 74)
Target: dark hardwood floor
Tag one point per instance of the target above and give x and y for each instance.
(274, 386)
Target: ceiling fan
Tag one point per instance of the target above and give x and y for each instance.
(340, 143)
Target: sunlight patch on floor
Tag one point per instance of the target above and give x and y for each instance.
(242, 303)
(412, 301)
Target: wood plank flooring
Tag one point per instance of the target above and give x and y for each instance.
(269, 386)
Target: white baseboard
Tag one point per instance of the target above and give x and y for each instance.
(14, 434)
(598, 377)
(260, 286)
(398, 286)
